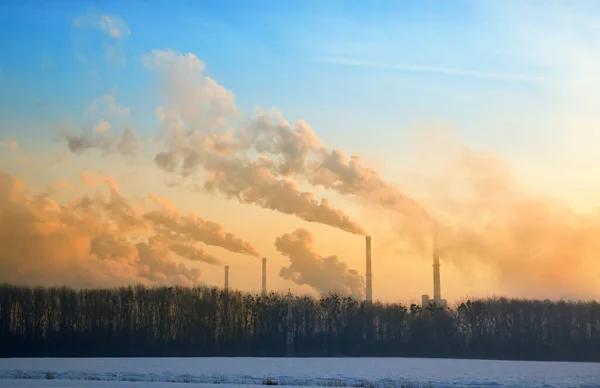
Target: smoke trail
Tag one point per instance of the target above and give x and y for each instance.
(101, 136)
(107, 142)
(324, 274)
(168, 221)
(102, 238)
(198, 103)
(535, 245)
(253, 183)
(303, 154)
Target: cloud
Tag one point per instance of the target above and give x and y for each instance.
(193, 253)
(93, 179)
(100, 238)
(270, 133)
(169, 221)
(196, 118)
(432, 69)
(112, 25)
(165, 220)
(254, 183)
(106, 106)
(45, 243)
(304, 156)
(100, 136)
(199, 140)
(102, 126)
(58, 185)
(486, 218)
(113, 30)
(535, 245)
(158, 269)
(324, 274)
(195, 98)
(125, 144)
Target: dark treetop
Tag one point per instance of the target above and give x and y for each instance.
(174, 321)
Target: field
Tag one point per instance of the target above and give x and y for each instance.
(330, 372)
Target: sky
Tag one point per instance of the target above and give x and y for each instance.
(155, 144)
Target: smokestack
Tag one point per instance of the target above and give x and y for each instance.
(369, 285)
(226, 278)
(437, 292)
(264, 276)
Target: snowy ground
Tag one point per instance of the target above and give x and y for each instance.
(332, 372)
(104, 384)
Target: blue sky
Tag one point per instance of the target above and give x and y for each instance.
(366, 76)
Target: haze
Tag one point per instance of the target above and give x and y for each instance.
(157, 144)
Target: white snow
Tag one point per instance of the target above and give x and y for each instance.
(105, 384)
(155, 372)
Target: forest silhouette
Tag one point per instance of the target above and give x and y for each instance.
(137, 321)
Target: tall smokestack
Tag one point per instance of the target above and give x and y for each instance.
(437, 292)
(264, 276)
(226, 278)
(369, 285)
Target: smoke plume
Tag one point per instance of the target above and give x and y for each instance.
(198, 138)
(168, 221)
(485, 218)
(201, 102)
(303, 155)
(101, 238)
(324, 274)
(536, 245)
(254, 183)
(101, 138)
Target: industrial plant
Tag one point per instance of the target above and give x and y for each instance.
(425, 299)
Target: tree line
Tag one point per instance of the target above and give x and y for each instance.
(137, 321)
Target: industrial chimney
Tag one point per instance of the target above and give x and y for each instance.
(369, 275)
(226, 278)
(437, 292)
(437, 288)
(264, 276)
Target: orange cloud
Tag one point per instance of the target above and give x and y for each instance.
(535, 245)
(101, 239)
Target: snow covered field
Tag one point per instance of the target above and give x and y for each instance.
(106, 384)
(239, 372)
